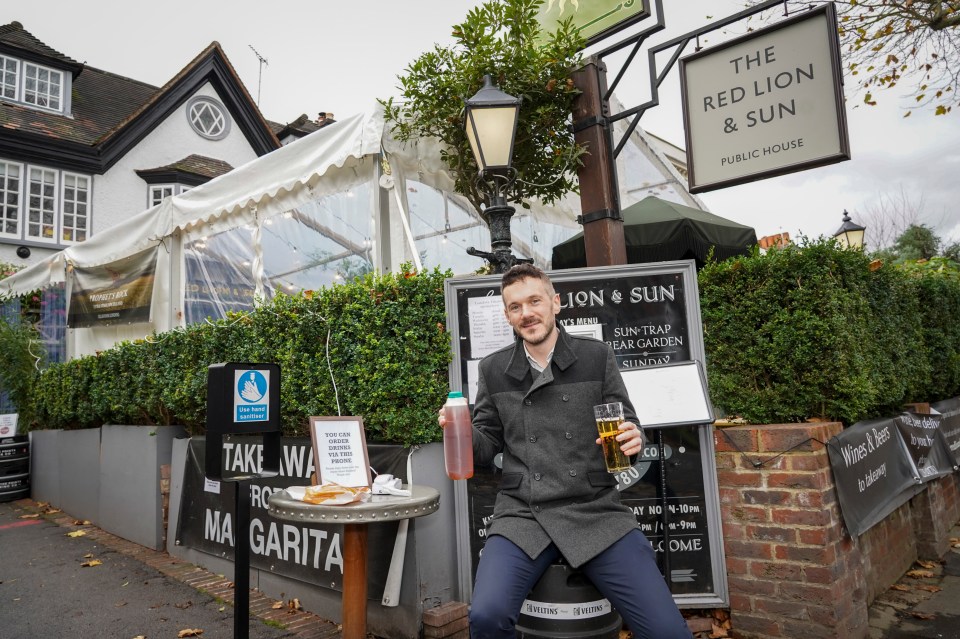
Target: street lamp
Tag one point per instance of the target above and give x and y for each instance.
(850, 234)
(491, 126)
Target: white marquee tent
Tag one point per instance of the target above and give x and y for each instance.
(312, 213)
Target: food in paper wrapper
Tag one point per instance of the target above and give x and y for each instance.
(331, 493)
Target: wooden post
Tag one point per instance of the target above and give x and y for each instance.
(599, 196)
(354, 581)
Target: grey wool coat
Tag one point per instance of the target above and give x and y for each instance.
(555, 486)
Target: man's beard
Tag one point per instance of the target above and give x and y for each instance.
(537, 340)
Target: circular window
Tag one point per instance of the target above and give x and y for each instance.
(208, 118)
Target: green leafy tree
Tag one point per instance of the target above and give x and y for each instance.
(501, 38)
(886, 42)
(917, 242)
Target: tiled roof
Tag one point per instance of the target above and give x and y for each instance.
(302, 126)
(15, 35)
(195, 164)
(101, 101)
(106, 107)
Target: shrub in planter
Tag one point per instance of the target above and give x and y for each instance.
(788, 334)
(376, 347)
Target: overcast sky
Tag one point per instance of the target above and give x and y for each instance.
(338, 57)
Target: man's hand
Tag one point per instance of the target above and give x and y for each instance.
(630, 438)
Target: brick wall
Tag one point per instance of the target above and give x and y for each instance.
(792, 569)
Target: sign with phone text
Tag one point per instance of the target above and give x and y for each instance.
(340, 449)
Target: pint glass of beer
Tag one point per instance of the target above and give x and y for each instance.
(609, 417)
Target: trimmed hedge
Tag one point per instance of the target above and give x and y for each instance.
(804, 332)
(815, 331)
(388, 353)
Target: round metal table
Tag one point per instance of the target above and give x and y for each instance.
(423, 500)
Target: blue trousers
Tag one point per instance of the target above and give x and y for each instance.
(626, 573)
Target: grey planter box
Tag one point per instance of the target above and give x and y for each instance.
(80, 473)
(131, 505)
(45, 466)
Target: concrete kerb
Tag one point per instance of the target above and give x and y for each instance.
(302, 624)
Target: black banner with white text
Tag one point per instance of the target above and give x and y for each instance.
(310, 553)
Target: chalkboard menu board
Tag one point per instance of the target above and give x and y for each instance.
(650, 316)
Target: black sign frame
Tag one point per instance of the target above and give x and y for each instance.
(650, 313)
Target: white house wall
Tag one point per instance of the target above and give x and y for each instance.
(121, 193)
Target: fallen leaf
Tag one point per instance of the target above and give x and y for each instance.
(900, 587)
(76, 533)
(294, 604)
(927, 564)
(52, 511)
(222, 608)
(184, 606)
(922, 615)
(88, 555)
(139, 637)
(920, 574)
(189, 632)
(42, 504)
(277, 606)
(81, 522)
(120, 604)
(91, 563)
(33, 516)
(929, 588)
(125, 584)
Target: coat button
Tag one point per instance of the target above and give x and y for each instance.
(533, 439)
(528, 402)
(536, 476)
(536, 508)
(573, 473)
(566, 398)
(569, 435)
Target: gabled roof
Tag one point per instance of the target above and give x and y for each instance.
(193, 170)
(111, 113)
(18, 40)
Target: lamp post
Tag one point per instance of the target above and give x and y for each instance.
(850, 234)
(491, 126)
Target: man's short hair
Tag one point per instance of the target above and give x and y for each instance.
(523, 271)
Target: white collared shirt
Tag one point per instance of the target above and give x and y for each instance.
(534, 364)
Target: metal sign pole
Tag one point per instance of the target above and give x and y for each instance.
(242, 399)
(241, 562)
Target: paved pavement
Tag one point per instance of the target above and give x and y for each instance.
(47, 591)
(923, 606)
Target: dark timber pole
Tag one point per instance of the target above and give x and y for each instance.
(599, 199)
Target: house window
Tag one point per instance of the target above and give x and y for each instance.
(35, 85)
(38, 204)
(42, 205)
(208, 118)
(42, 86)
(160, 191)
(9, 199)
(9, 71)
(76, 207)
